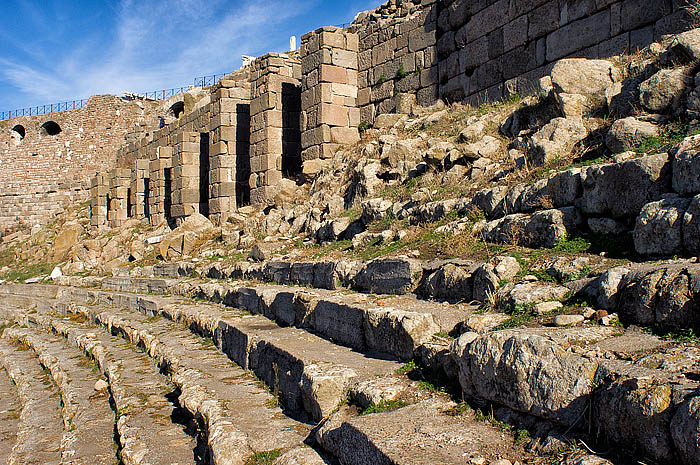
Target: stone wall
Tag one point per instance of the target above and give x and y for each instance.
(489, 49)
(46, 160)
(397, 56)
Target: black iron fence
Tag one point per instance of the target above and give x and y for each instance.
(203, 81)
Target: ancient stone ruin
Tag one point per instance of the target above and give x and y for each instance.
(454, 232)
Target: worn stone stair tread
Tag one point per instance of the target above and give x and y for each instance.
(40, 426)
(87, 416)
(418, 434)
(146, 431)
(205, 374)
(9, 415)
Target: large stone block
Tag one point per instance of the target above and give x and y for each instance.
(622, 189)
(578, 35)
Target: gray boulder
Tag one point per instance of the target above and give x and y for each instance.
(565, 187)
(686, 172)
(526, 372)
(663, 91)
(659, 226)
(449, 282)
(635, 409)
(375, 209)
(533, 293)
(628, 133)
(607, 286)
(585, 77)
(622, 189)
(542, 229)
(691, 227)
(389, 276)
(556, 138)
(685, 430)
(666, 296)
(398, 332)
(689, 41)
(606, 226)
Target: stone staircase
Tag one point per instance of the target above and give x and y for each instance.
(211, 371)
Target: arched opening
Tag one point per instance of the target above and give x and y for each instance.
(177, 109)
(18, 133)
(50, 128)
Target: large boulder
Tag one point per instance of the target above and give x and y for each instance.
(622, 189)
(685, 430)
(666, 295)
(585, 77)
(686, 172)
(627, 133)
(634, 410)
(663, 91)
(689, 41)
(542, 229)
(67, 237)
(526, 372)
(658, 230)
(450, 282)
(389, 276)
(556, 138)
(565, 187)
(691, 227)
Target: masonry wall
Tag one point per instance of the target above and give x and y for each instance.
(397, 56)
(41, 173)
(488, 49)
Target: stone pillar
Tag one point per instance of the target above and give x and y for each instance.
(271, 78)
(161, 160)
(229, 152)
(185, 176)
(119, 182)
(99, 190)
(329, 92)
(139, 175)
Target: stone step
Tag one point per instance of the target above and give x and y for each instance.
(87, 416)
(393, 325)
(241, 415)
(309, 373)
(40, 428)
(429, 432)
(9, 415)
(144, 399)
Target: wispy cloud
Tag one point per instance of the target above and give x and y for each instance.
(155, 44)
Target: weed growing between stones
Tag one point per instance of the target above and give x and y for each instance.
(520, 315)
(671, 135)
(264, 458)
(384, 406)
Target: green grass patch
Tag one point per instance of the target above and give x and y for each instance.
(264, 458)
(572, 245)
(22, 273)
(520, 315)
(406, 368)
(671, 135)
(384, 406)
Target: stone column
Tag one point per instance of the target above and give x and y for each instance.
(138, 188)
(229, 153)
(271, 73)
(185, 176)
(161, 159)
(119, 182)
(99, 190)
(329, 92)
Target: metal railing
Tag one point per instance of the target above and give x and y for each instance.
(43, 109)
(203, 81)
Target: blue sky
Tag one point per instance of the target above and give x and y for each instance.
(57, 50)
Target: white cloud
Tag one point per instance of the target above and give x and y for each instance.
(157, 44)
